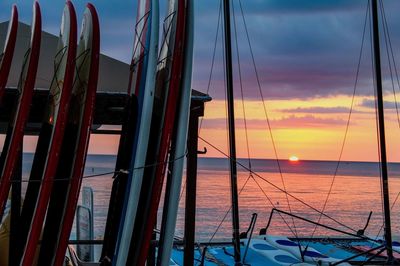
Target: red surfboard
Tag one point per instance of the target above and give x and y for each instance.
(8, 52)
(172, 99)
(51, 137)
(84, 94)
(15, 134)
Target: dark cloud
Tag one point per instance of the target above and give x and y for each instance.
(117, 20)
(303, 49)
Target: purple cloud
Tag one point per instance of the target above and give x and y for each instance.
(320, 110)
(291, 121)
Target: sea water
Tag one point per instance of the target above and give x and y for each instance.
(354, 187)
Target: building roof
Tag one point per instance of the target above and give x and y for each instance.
(113, 74)
(111, 91)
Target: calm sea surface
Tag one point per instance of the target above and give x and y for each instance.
(355, 192)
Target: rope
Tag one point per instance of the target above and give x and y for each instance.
(21, 75)
(136, 46)
(116, 173)
(165, 34)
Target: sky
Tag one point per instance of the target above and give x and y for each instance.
(306, 54)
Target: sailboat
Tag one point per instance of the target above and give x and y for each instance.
(265, 249)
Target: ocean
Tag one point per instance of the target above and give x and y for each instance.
(355, 192)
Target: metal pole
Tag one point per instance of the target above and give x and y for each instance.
(378, 75)
(191, 184)
(232, 144)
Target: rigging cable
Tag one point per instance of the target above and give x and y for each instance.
(265, 108)
(277, 187)
(389, 46)
(347, 125)
(246, 131)
(213, 58)
(209, 81)
(245, 124)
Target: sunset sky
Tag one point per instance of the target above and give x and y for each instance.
(306, 53)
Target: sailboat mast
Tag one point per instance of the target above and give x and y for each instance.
(231, 122)
(378, 76)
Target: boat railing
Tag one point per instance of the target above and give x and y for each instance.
(264, 230)
(245, 234)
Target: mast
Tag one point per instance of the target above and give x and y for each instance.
(231, 122)
(378, 76)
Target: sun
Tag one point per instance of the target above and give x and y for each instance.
(293, 158)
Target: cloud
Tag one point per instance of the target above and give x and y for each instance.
(291, 121)
(320, 110)
(302, 50)
(371, 104)
(308, 121)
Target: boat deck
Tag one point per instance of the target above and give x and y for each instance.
(319, 252)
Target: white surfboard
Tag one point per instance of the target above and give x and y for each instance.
(167, 235)
(124, 238)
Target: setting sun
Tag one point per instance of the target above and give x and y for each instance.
(293, 158)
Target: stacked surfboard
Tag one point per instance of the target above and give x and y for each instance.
(54, 182)
(153, 137)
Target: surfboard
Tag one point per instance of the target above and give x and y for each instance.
(80, 119)
(74, 144)
(164, 128)
(8, 51)
(49, 143)
(120, 179)
(143, 134)
(171, 203)
(129, 132)
(15, 131)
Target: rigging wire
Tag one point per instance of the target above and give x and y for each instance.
(213, 58)
(347, 124)
(390, 60)
(265, 109)
(226, 214)
(245, 121)
(209, 81)
(389, 43)
(277, 187)
(241, 87)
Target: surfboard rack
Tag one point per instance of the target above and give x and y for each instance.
(109, 110)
